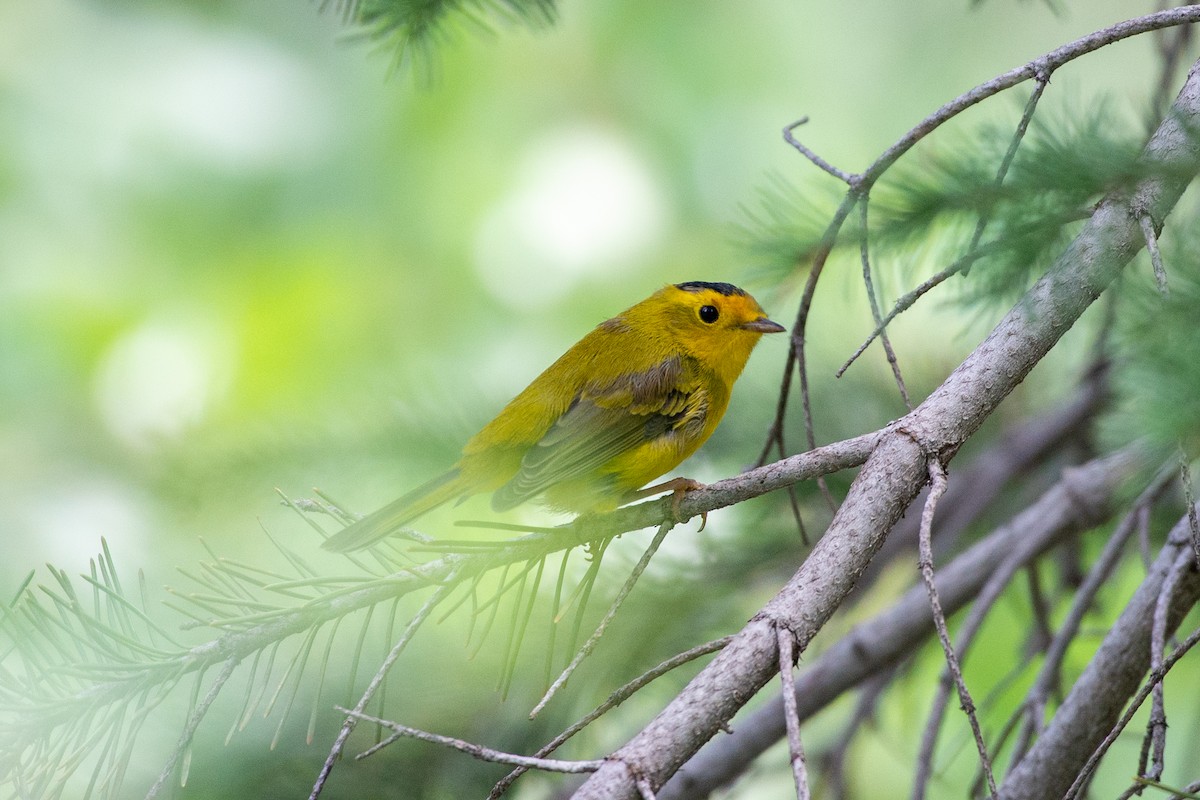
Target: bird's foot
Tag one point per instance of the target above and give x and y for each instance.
(678, 487)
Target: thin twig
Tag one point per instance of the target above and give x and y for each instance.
(798, 347)
(794, 504)
(594, 639)
(1040, 608)
(474, 750)
(1089, 767)
(1156, 261)
(189, 729)
(1044, 66)
(908, 299)
(613, 700)
(1185, 478)
(1186, 793)
(1047, 680)
(775, 433)
(339, 744)
(1001, 577)
(775, 440)
(787, 663)
(937, 487)
(1040, 84)
(790, 138)
(865, 252)
(1156, 726)
(1039, 69)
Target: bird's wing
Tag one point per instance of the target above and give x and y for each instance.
(604, 422)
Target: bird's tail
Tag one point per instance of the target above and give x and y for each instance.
(398, 513)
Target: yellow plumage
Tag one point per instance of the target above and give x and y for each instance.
(628, 402)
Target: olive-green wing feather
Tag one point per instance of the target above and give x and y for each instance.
(602, 424)
(583, 439)
(398, 513)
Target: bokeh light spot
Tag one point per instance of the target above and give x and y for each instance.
(161, 378)
(584, 203)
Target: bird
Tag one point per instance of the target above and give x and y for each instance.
(627, 403)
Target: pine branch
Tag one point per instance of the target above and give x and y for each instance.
(70, 670)
(414, 29)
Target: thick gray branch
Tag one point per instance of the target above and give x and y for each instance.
(1110, 680)
(1080, 500)
(896, 470)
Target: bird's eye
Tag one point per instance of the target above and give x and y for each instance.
(709, 314)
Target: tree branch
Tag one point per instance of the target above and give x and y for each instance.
(897, 468)
(1094, 704)
(892, 635)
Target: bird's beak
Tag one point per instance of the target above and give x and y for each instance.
(763, 325)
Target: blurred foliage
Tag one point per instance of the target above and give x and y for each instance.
(926, 208)
(1157, 339)
(416, 29)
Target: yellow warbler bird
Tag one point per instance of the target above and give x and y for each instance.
(630, 401)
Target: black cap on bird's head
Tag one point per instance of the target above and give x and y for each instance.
(726, 289)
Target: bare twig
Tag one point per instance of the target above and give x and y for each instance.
(787, 663)
(613, 700)
(471, 749)
(974, 251)
(1039, 69)
(339, 743)
(775, 439)
(1155, 678)
(1185, 479)
(1064, 757)
(594, 639)
(1140, 783)
(937, 487)
(1039, 606)
(909, 298)
(790, 137)
(865, 252)
(1156, 726)
(1047, 681)
(1041, 81)
(1186, 793)
(189, 730)
(1156, 261)
(799, 330)
(990, 594)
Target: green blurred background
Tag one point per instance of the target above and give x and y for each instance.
(239, 251)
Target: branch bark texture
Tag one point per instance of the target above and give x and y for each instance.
(897, 468)
(1081, 499)
(1112, 677)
